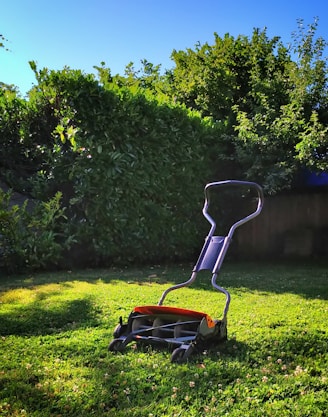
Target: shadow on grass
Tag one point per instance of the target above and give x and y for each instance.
(37, 319)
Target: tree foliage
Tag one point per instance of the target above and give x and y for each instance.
(274, 107)
(3, 41)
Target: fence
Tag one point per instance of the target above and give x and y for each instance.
(289, 226)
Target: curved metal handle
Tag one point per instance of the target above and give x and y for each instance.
(233, 183)
(227, 239)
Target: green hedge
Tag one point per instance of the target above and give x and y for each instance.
(131, 169)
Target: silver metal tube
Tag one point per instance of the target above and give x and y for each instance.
(175, 287)
(224, 291)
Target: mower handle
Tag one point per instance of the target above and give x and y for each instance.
(233, 183)
(226, 240)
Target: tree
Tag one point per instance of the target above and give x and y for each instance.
(276, 141)
(235, 81)
(274, 109)
(311, 93)
(214, 78)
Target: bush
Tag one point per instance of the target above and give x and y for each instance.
(31, 239)
(131, 169)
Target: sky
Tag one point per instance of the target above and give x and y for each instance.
(83, 33)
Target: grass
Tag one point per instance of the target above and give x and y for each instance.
(55, 329)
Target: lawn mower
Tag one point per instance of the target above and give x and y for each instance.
(188, 331)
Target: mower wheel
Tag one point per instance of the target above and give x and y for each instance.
(119, 330)
(116, 345)
(178, 355)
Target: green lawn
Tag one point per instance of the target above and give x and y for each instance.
(55, 329)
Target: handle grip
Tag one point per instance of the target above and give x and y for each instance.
(233, 183)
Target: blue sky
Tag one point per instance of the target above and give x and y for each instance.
(83, 33)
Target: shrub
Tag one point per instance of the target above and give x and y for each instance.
(31, 238)
(130, 166)
(131, 169)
